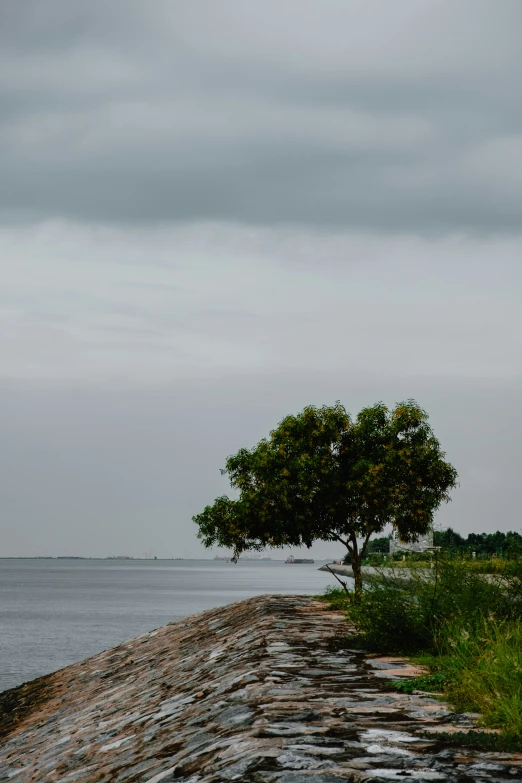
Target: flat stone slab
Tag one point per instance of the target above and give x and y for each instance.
(266, 690)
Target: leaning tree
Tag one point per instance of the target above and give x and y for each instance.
(321, 476)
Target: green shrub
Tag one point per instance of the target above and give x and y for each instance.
(335, 597)
(390, 619)
(408, 614)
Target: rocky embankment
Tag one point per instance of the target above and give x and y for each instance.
(263, 690)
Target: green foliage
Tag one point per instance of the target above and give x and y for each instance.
(376, 547)
(447, 539)
(500, 544)
(322, 476)
(482, 662)
(379, 545)
(391, 618)
(466, 626)
(376, 559)
(432, 683)
(400, 613)
(335, 598)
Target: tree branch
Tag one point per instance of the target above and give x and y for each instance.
(354, 544)
(364, 546)
(344, 584)
(342, 541)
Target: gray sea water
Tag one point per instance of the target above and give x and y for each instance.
(56, 612)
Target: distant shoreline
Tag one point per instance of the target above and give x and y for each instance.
(145, 559)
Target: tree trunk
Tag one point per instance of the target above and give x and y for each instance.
(357, 579)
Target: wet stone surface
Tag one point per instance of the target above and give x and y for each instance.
(265, 690)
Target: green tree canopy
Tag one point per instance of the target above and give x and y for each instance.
(507, 544)
(447, 539)
(320, 476)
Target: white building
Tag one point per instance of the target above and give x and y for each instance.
(421, 545)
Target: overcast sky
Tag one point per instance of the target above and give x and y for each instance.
(215, 213)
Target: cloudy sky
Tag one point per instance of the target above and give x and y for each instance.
(213, 214)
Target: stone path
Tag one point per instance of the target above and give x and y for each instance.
(264, 690)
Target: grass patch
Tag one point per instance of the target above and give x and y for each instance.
(335, 598)
(431, 683)
(482, 663)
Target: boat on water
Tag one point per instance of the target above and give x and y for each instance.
(228, 558)
(292, 559)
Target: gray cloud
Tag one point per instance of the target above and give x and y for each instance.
(402, 116)
(221, 299)
(215, 213)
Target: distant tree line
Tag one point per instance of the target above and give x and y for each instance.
(483, 544)
(501, 544)
(378, 546)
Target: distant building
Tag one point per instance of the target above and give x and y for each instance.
(421, 545)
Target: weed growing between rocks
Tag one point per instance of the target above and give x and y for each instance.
(463, 625)
(429, 683)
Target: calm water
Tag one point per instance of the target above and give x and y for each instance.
(54, 613)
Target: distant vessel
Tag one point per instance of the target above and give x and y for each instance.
(242, 557)
(292, 559)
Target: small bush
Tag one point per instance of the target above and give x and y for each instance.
(390, 619)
